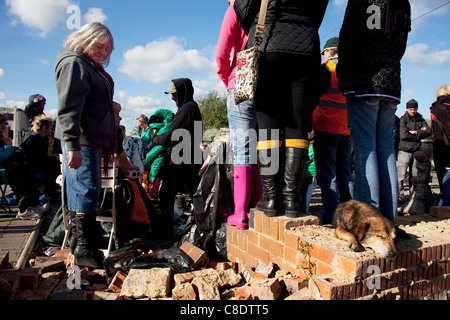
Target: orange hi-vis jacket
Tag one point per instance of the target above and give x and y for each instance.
(331, 113)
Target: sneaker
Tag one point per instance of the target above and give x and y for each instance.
(28, 214)
(39, 209)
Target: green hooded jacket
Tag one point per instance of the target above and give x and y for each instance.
(161, 120)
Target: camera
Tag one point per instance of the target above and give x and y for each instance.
(132, 174)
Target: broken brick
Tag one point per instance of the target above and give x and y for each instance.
(198, 256)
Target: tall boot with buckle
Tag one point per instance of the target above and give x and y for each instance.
(295, 165)
(271, 167)
(85, 254)
(242, 176)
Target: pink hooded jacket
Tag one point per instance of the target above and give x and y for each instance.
(232, 39)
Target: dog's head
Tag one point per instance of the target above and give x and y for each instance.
(380, 235)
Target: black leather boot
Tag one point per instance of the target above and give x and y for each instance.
(271, 169)
(85, 254)
(72, 232)
(294, 171)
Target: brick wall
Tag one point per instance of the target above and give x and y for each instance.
(419, 273)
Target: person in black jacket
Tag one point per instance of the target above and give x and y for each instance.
(413, 128)
(181, 175)
(286, 94)
(372, 42)
(45, 168)
(440, 116)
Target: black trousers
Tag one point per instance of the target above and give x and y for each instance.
(287, 94)
(182, 178)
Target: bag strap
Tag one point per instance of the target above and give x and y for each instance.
(261, 20)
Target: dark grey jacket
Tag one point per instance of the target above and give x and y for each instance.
(291, 26)
(84, 103)
(411, 142)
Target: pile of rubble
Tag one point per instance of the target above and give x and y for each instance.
(54, 278)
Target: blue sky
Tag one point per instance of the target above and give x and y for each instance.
(156, 41)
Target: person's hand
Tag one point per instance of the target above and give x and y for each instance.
(423, 128)
(413, 132)
(75, 159)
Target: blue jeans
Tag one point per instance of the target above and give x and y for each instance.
(83, 185)
(370, 121)
(445, 197)
(333, 159)
(242, 123)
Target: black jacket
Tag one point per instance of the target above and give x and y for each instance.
(440, 116)
(411, 142)
(291, 26)
(189, 118)
(369, 61)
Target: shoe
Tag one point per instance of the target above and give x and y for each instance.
(28, 214)
(39, 209)
(271, 202)
(295, 164)
(243, 176)
(85, 253)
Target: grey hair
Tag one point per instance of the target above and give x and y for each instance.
(443, 91)
(82, 40)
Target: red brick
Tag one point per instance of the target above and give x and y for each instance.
(271, 245)
(117, 282)
(257, 252)
(264, 270)
(198, 256)
(265, 228)
(258, 220)
(275, 228)
(269, 289)
(253, 237)
(440, 212)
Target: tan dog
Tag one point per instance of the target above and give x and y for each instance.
(362, 225)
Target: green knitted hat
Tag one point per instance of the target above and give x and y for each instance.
(331, 44)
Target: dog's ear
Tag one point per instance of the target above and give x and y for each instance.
(401, 234)
(360, 230)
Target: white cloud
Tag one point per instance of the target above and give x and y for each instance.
(2, 72)
(340, 3)
(95, 15)
(43, 15)
(12, 103)
(2, 95)
(408, 94)
(419, 54)
(159, 61)
(46, 15)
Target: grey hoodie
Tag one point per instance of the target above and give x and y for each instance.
(84, 103)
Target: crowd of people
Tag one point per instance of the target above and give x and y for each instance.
(330, 122)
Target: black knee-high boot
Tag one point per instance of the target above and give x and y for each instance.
(294, 171)
(271, 168)
(85, 253)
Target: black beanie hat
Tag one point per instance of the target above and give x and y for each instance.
(412, 104)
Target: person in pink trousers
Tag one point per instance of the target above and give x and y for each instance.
(242, 122)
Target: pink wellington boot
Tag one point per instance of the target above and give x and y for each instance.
(242, 191)
(257, 187)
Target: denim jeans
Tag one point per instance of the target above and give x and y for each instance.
(445, 197)
(333, 158)
(242, 123)
(370, 121)
(83, 185)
